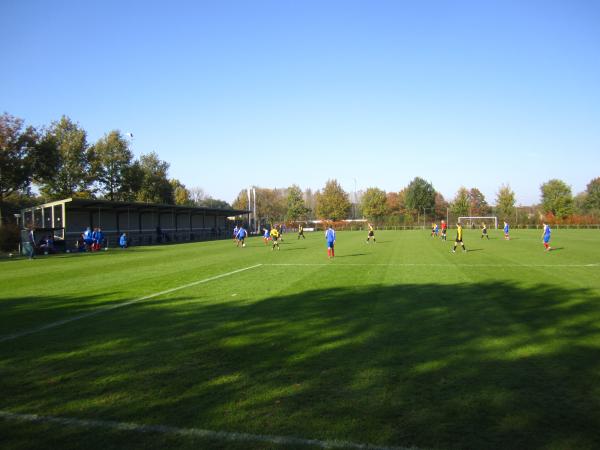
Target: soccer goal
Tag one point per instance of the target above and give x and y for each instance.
(478, 219)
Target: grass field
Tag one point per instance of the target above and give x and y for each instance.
(395, 345)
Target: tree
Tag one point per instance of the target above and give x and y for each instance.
(333, 202)
(420, 195)
(374, 203)
(155, 186)
(68, 159)
(461, 202)
(112, 158)
(441, 206)
(16, 146)
(392, 203)
(557, 198)
(310, 200)
(505, 202)
(181, 195)
(197, 195)
(296, 208)
(592, 201)
(477, 204)
(214, 203)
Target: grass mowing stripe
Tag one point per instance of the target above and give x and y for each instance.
(120, 305)
(191, 432)
(430, 265)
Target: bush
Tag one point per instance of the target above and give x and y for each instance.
(9, 237)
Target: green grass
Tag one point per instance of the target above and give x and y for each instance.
(401, 343)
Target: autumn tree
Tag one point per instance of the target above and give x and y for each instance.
(112, 158)
(68, 161)
(296, 208)
(16, 149)
(420, 195)
(460, 204)
(505, 202)
(155, 186)
(557, 198)
(374, 203)
(592, 198)
(478, 206)
(333, 202)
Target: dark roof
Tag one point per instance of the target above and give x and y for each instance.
(90, 203)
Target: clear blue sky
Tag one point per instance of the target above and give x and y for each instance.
(272, 93)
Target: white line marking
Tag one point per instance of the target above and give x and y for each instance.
(191, 432)
(331, 264)
(119, 305)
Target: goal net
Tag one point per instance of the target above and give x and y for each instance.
(475, 221)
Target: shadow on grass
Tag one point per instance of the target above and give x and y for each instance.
(480, 366)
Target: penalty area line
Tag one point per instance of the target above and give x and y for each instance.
(228, 436)
(103, 309)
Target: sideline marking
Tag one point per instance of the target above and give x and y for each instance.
(330, 264)
(190, 432)
(118, 305)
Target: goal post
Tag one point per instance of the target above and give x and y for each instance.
(472, 219)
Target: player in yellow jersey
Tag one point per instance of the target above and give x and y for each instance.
(275, 238)
(459, 238)
(484, 231)
(371, 234)
(301, 231)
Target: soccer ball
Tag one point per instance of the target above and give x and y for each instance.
(10, 255)
(45, 253)
(244, 244)
(105, 249)
(68, 251)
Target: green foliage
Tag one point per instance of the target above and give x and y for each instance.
(333, 202)
(374, 203)
(441, 206)
(478, 206)
(181, 195)
(112, 158)
(155, 186)
(505, 202)
(70, 161)
(460, 204)
(296, 208)
(557, 198)
(592, 201)
(420, 195)
(16, 145)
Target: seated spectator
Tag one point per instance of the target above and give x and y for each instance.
(80, 243)
(100, 238)
(123, 241)
(88, 238)
(46, 245)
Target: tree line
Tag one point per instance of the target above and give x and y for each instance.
(58, 160)
(419, 200)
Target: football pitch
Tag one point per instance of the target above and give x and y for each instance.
(399, 344)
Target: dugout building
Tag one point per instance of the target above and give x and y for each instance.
(144, 223)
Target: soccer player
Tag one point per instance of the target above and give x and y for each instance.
(546, 237)
(444, 230)
(301, 232)
(235, 233)
(241, 236)
(506, 230)
(433, 227)
(371, 234)
(266, 236)
(330, 238)
(459, 238)
(275, 237)
(123, 240)
(484, 231)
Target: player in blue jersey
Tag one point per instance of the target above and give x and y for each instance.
(506, 230)
(123, 240)
(546, 237)
(266, 236)
(330, 238)
(235, 233)
(241, 236)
